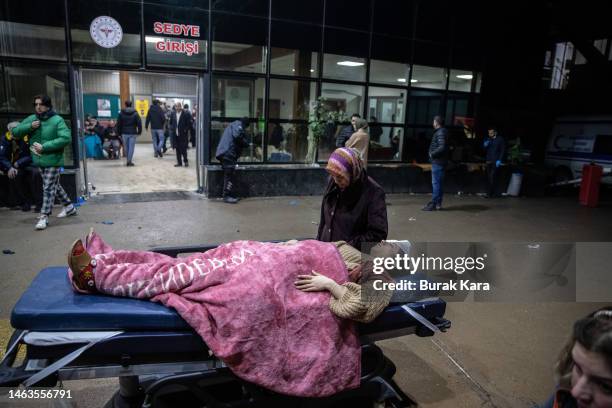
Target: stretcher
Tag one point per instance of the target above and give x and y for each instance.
(160, 361)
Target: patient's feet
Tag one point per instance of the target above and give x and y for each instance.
(81, 268)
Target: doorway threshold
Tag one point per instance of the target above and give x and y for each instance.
(119, 198)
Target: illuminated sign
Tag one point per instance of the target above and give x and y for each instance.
(181, 46)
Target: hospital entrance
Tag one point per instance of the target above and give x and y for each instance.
(104, 167)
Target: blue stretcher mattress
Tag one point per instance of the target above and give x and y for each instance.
(50, 304)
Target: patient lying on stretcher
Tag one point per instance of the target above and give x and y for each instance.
(353, 299)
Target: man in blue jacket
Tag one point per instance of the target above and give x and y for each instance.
(233, 140)
(438, 155)
(495, 147)
(14, 159)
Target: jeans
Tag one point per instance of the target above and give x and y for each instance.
(492, 172)
(437, 181)
(130, 144)
(158, 140)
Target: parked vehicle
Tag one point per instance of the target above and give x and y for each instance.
(579, 140)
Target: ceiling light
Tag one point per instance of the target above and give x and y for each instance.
(466, 76)
(312, 70)
(350, 63)
(155, 40)
(414, 80)
(293, 70)
(401, 79)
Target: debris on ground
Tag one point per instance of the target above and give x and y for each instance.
(8, 252)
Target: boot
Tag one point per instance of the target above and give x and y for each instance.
(81, 268)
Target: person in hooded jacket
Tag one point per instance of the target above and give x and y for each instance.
(354, 207)
(14, 160)
(233, 140)
(48, 135)
(129, 126)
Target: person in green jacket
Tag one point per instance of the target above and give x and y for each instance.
(49, 135)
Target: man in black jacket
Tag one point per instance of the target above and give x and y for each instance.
(14, 161)
(495, 146)
(156, 118)
(438, 154)
(347, 131)
(229, 149)
(129, 126)
(180, 125)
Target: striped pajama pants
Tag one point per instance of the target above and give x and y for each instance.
(51, 189)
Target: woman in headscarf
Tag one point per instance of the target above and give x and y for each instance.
(353, 208)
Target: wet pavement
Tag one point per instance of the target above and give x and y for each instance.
(495, 355)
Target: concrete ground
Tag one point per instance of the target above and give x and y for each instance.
(495, 355)
(148, 174)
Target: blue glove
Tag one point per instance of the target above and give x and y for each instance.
(498, 163)
(486, 143)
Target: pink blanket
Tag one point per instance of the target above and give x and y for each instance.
(241, 299)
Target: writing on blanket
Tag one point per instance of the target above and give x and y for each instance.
(180, 275)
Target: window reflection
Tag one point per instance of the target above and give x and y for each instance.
(239, 43)
(387, 72)
(428, 77)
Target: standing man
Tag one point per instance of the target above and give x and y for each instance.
(438, 155)
(129, 126)
(233, 140)
(495, 147)
(156, 118)
(347, 131)
(180, 125)
(48, 135)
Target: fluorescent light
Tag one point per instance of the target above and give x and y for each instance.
(401, 79)
(414, 80)
(154, 40)
(312, 70)
(350, 63)
(293, 70)
(466, 76)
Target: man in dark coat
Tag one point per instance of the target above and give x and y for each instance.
(129, 126)
(157, 119)
(438, 154)
(495, 146)
(233, 140)
(180, 125)
(347, 131)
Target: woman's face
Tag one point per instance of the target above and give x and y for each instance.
(341, 182)
(591, 379)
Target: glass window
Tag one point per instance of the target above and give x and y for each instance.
(417, 144)
(291, 99)
(26, 80)
(386, 72)
(432, 54)
(238, 97)
(295, 49)
(117, 38)
(299, 10)
(239, 43)
(345, 55)
(428, 77)
(353, 14)
(386, 143)
(460, 113)
(394, 17)
(423, 106)
(386, 105)
(478, 82)
(343, 98)
(248, 7)
(175, 36)
(460, 80)
(603, 145)
(27, 32)
(287, 142)
(253, 153)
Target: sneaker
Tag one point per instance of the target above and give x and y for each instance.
(230, 200)
(429, 207)
(186, 164)
(67, 211)
(42, 223)
(81, 268)
(178, 165)
(438, 207)
(161, 155)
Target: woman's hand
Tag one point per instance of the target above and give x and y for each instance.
(313, 283)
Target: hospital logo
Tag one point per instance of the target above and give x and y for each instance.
(106, 31)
